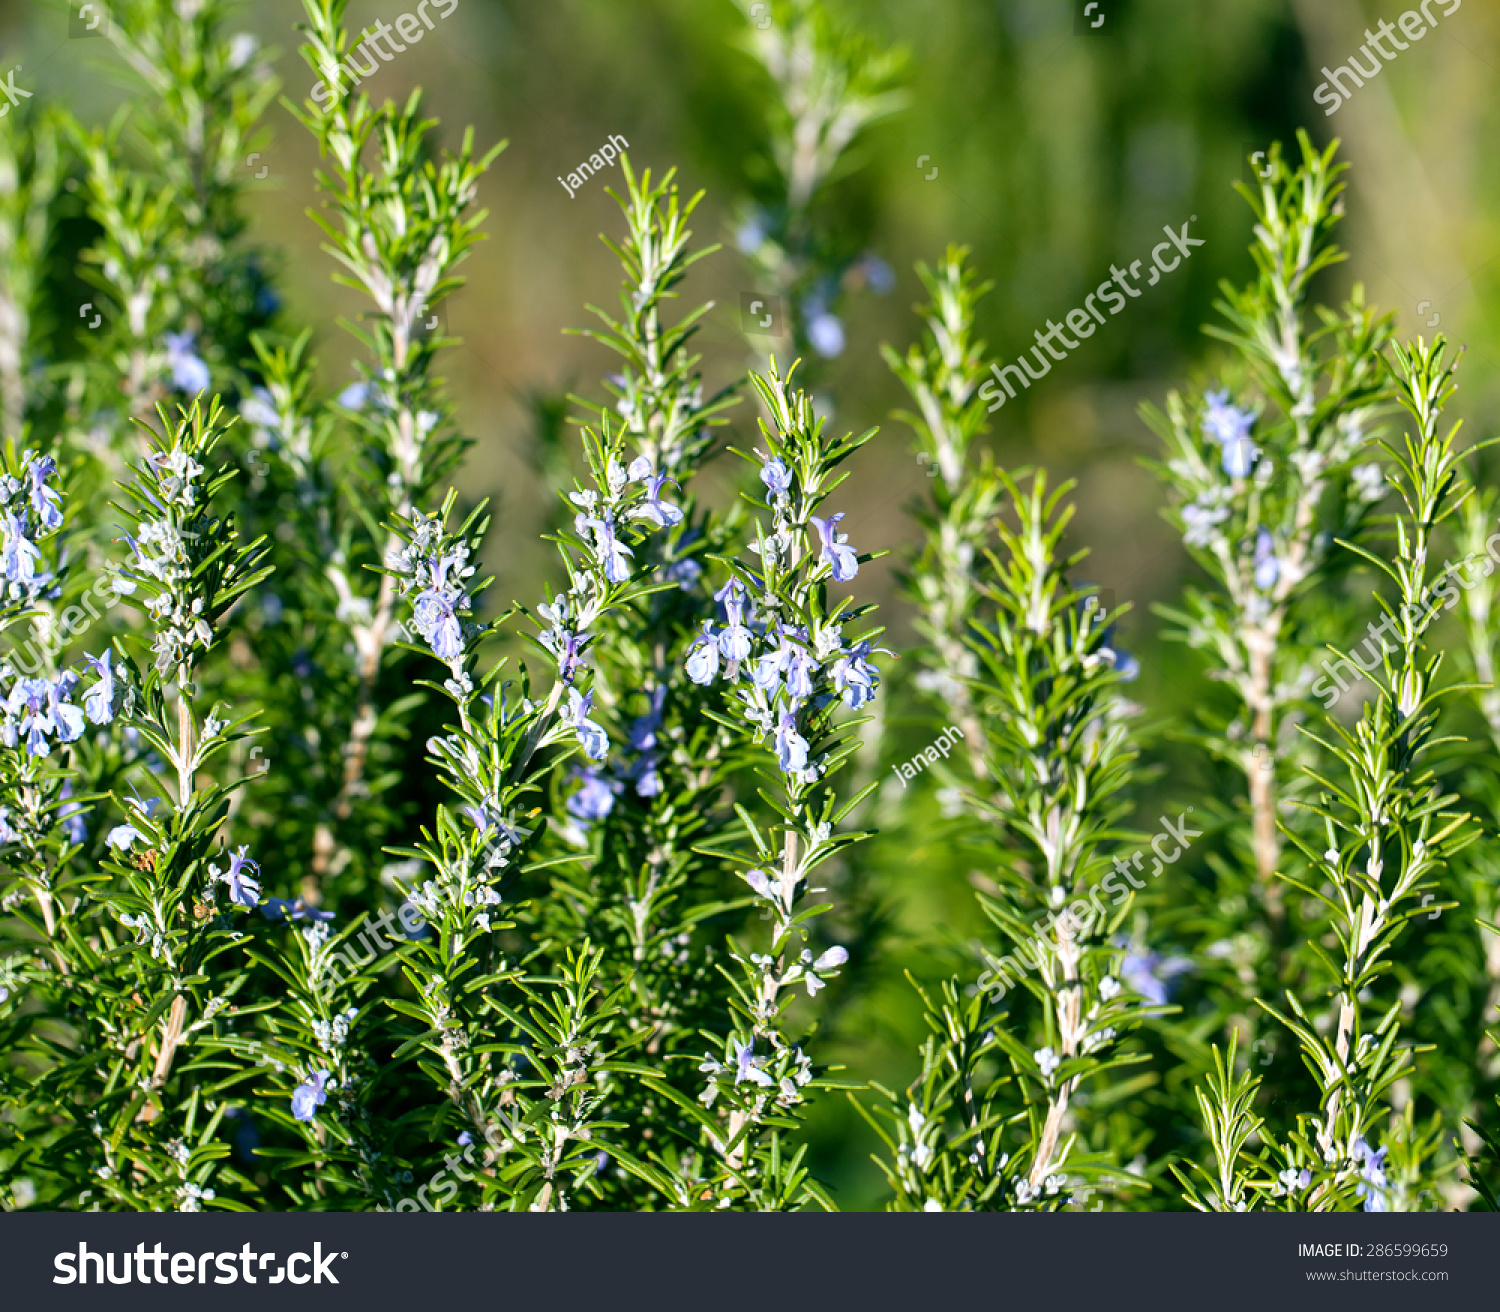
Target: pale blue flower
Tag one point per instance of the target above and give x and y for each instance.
(595, 799)
(768, 669)
(279, 909)
(613, 553)
(591, 736)
(800, 669)
(99, 701)
(642, 732)
(777, 477)
(354, 396)
(30, 705)
(791, 746)
(259, 409)
(244, 888)
(653, 509)
(854, 676)
(647, 780)
(684, 573)
(702, 663)
(67, 719)
(841, 558)
(1230, 426)
(435, 610)
(734, 638)
(20, 553)
(307, 1098)
(1200, 523)
(1373, 1180)
(1267, 566)
(826, 334)
(127, 835)
(70, 816)
(1151, 975)
(747, 1066)
(46, 501)
(751, 235)
(878, 274)
(189, 373)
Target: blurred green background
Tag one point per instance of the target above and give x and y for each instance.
(1051, 151)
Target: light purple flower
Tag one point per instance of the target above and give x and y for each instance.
(30, 702)
(20, 553)
(46, 501)
(307, 1098)
(567, 647)
(595, 799)
(1151, 975)
(854, 676)
(435, 610)
(769, 668)
(747, 1066)
(642, 732)
(1230, 426)
(800, 668)
(1267, 566)
(734, 638)
(189, 373)
(826, 333)
(702, 663)
(1373, 1180)
(791, 746)
(70, 815)
(126, 835)
(99, 701)
(777, 477)
(880, 276)
(684, 573)
(244, 888)
(647, 780)
(591, 736)
(653, 509)
(354, 396)
(279, 909)
(832, 959)
(841, 558)
(259, 409)
(611, 551)
(67, 719)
